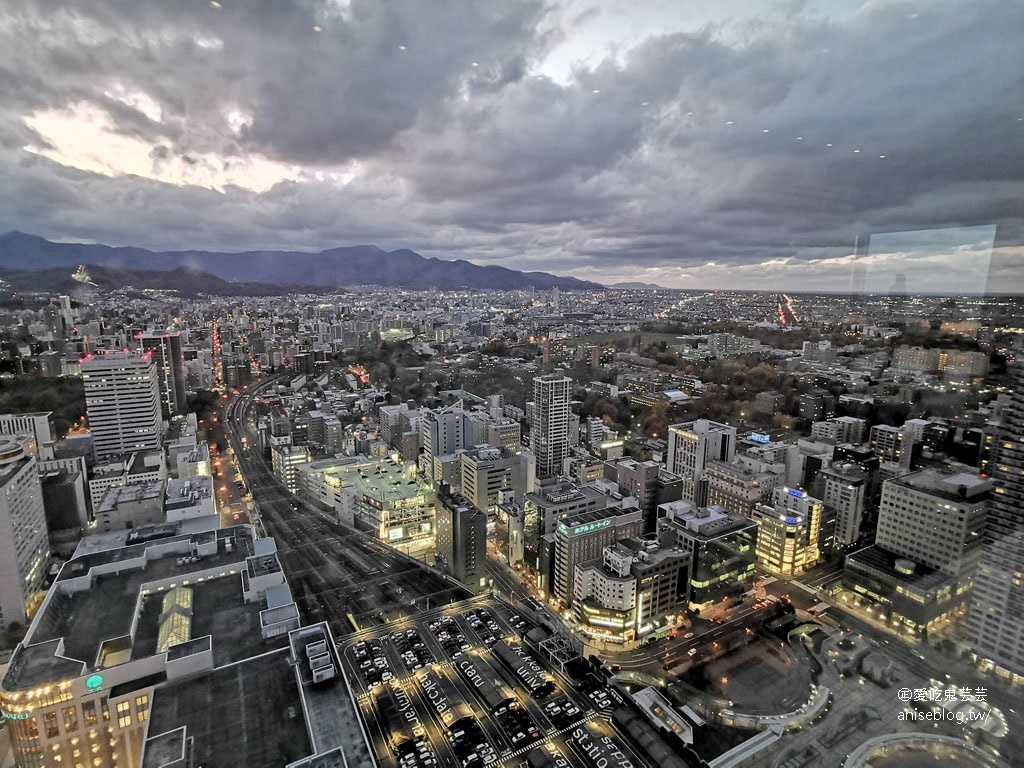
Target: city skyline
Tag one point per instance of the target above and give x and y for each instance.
(734, 147)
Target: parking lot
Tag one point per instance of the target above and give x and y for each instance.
(459, 686)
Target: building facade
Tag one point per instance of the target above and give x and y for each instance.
(122, 400)
(844, 494)
(996, 622)
(461, 538)
(691, 445)
(789, 532)
(550, 422)
(24, 545)
(165, 350)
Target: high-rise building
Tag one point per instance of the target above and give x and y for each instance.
(739, 487)
(487, 472)
(887, 443)
(649, 483)
(443, 433)
(935, 518)
(789, 532)
(996, 622)
(549, 422)
(461, 538)
(75, 695)
(23, 536)
(165, 349)
(39, 425)
(583, 537)
(722, 549)
(919, 574)
(122, 400)
(67, 314)
(691, 445)
(844, 493)
(842, 429)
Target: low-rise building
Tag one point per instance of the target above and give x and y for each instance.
(189, 497)
(630, 591)
(388, 499)
(124, 507)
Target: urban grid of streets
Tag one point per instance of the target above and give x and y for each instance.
(341, 572)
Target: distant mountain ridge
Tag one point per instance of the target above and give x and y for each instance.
(335, 267)
(187, 281)
(638, 287)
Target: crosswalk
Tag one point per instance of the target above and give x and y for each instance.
(548, 736)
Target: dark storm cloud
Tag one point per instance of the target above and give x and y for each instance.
(683, 150)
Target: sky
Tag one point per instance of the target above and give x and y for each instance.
(691, 144)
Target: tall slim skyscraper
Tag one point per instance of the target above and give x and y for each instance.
(170, 370)
(996, 622)
(549, 422)
(122, 400)
(24, 546)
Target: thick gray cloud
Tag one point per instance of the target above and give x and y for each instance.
(435, 126)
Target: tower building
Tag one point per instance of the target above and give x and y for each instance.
(165, 349)
(996, 621)
(549, 422)
(122, 400)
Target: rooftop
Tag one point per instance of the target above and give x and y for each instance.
(126, 494)
(187, 491)
(114, 539)
(924, 578)
(9, 470)
(93, 623)
(705, 522)
(331, 715)
(563, 492)
(955, 486)
(248, 714)
(388, 480)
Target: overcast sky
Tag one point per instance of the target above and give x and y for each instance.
(682, 142)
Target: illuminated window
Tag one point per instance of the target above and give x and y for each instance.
(70, 719)
(124, 714)
(142, 707)
(50, 724)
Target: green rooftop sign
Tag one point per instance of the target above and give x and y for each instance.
(588, 527)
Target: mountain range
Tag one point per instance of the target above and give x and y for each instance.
(335, 267)
(638, 286)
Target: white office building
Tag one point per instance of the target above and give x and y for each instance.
(691, 446)
(122, 400)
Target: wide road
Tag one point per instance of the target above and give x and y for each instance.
(334, 570)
